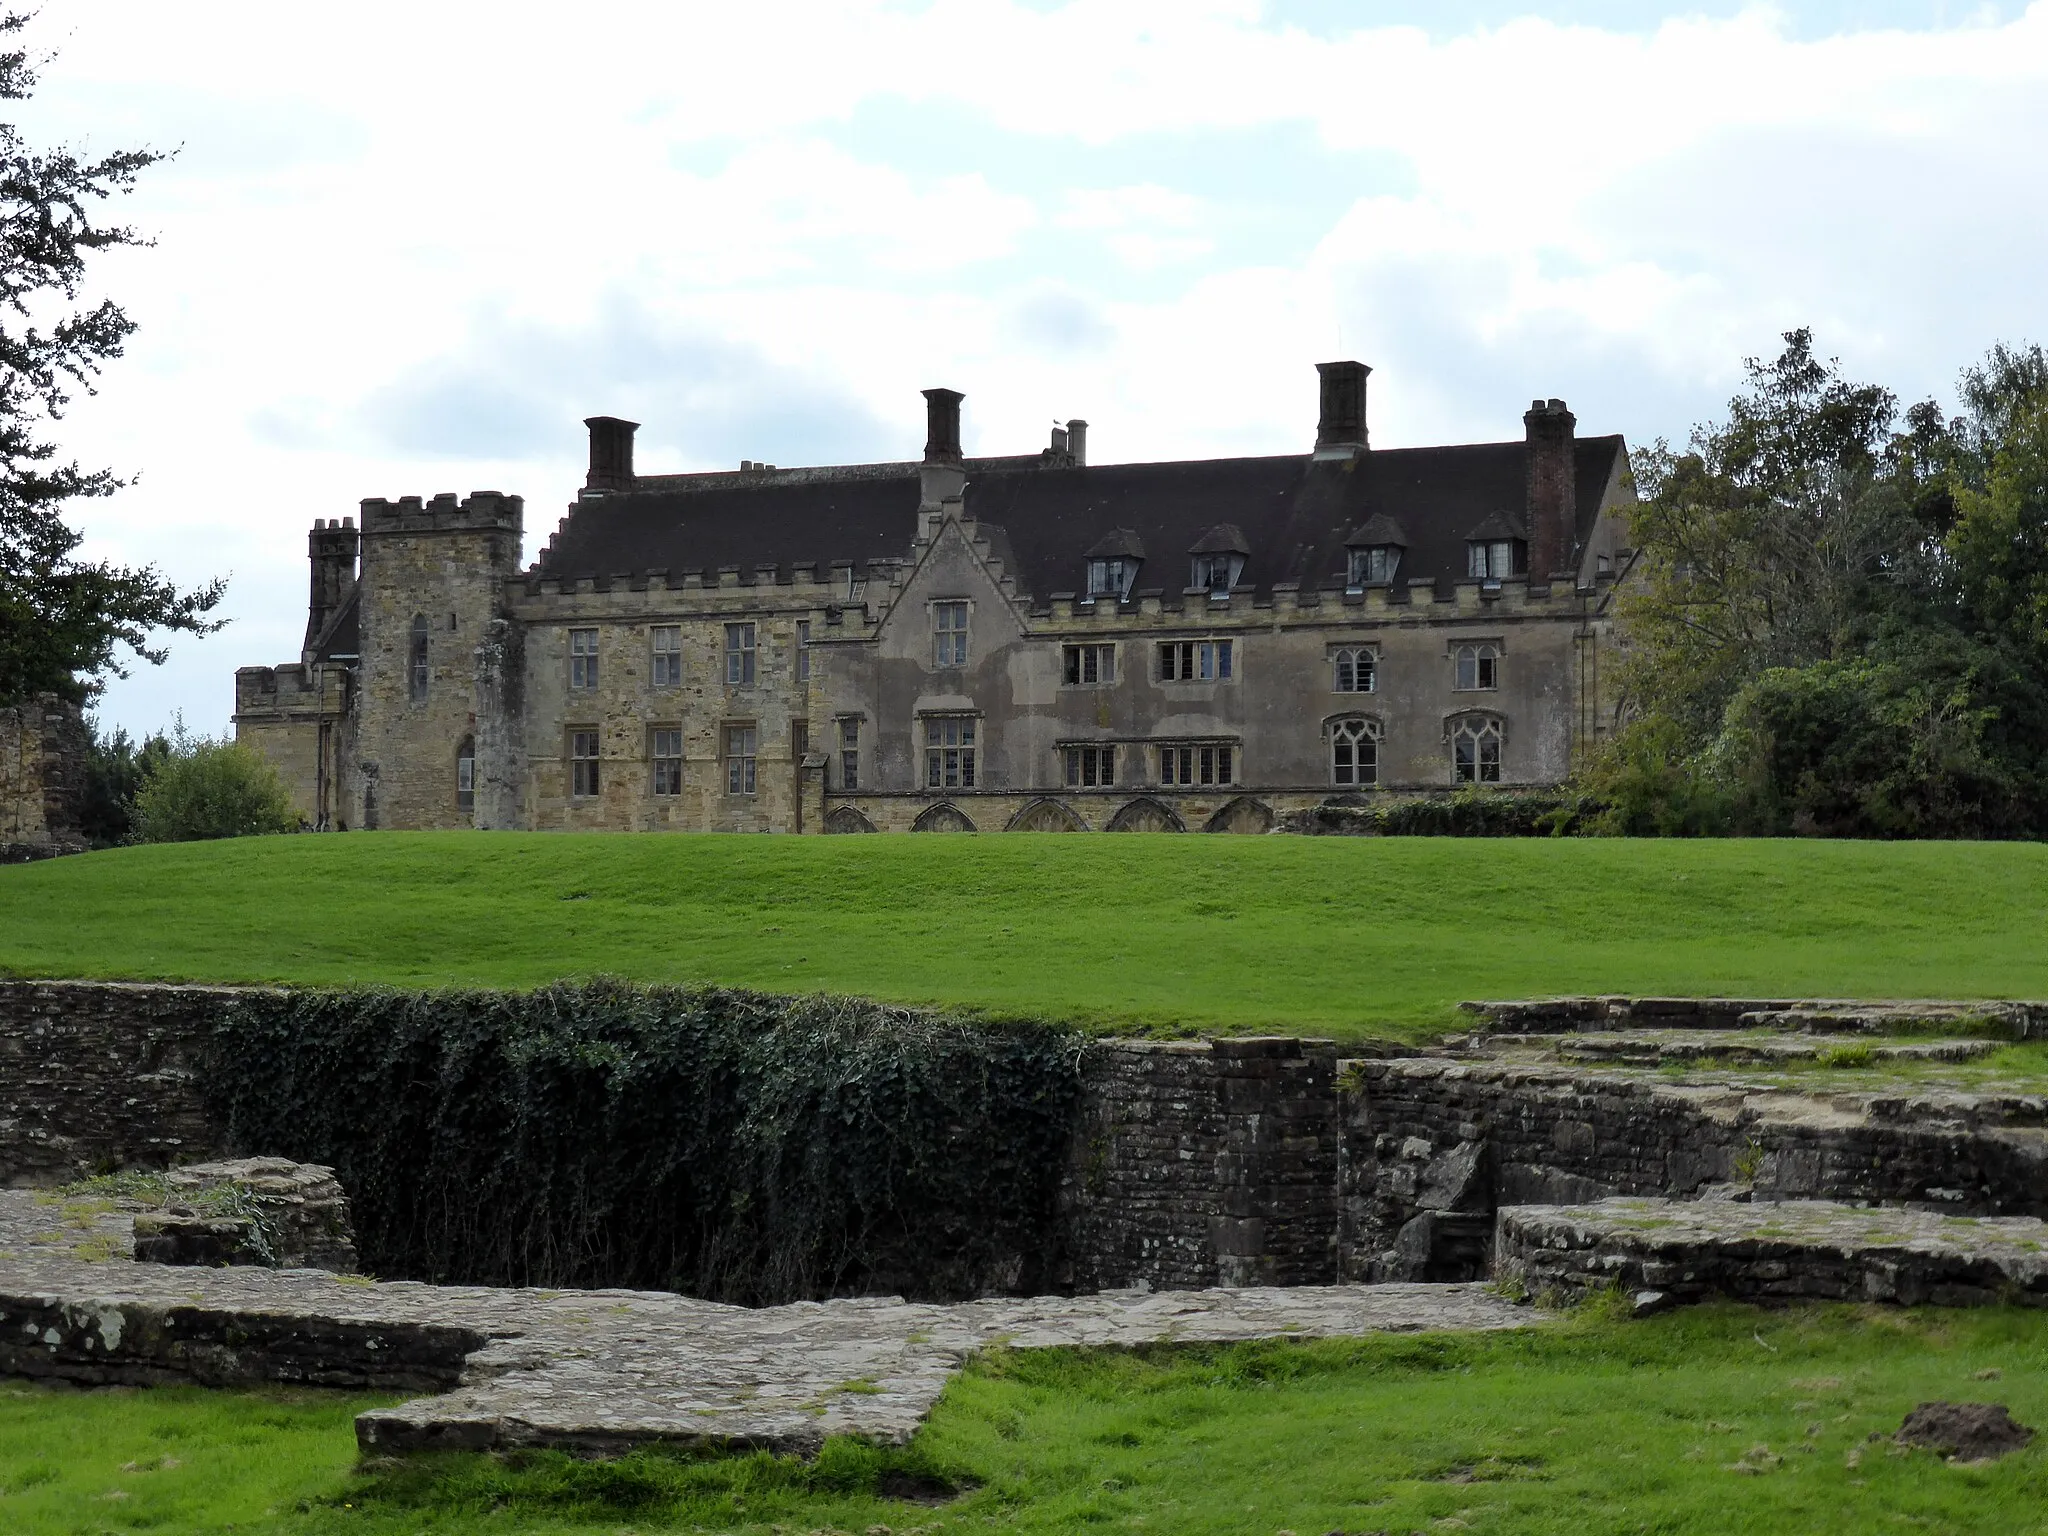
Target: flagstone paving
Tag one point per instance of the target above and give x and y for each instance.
(596, 1369)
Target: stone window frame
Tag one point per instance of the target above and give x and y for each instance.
(1350, 655)
(951, 741)
(1211, 660)
(665, 661)
(1089, 764)
(1483, 729)
(583, 654)
(847, 729)
(1078, 658)
(949, 639)
(1210, 764)
(465, 774)
(665, 766)
(803, 650)
(739, 751)
(586, 778)
(1485, 656)
(417, 671)
(1358, 738)
(742, 650)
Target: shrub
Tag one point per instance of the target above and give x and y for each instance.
(205, 789)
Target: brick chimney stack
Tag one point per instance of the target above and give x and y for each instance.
(1341, 432)
(611, 453)
(331, 548)
(1077, 440)
(943, 475)
(1552, 505)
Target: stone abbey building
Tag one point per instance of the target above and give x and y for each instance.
(1031, 643)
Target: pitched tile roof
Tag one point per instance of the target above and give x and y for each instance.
(1293, 511)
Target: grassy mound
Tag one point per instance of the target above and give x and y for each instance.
(1329, 935)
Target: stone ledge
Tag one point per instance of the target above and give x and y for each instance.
(1686, 1250)
(600, 1370)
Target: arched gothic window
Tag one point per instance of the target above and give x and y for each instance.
(1354, 752)
(417, 665)
(1357, 670)
(1478, 668)
(1475, 750)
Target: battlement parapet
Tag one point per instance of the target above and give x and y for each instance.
(478, 512)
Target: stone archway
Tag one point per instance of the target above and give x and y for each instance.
(1146, 815)
(848, 819)
(1244, 814)
(943, 817)
(1046, 816)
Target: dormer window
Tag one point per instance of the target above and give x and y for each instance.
(1112, 578)
(1375, 564)
(1375, 547)
(1495, 559)
(1217, 561)
(1113, 565)
(1216, 573)
(1497, 549)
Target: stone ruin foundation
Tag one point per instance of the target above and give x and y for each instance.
(1328, 1193)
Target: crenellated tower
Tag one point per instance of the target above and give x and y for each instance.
(431, 585)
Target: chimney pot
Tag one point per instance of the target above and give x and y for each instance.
(1077, 440)
(611, 453)
(942, 426)
(943, 476)
(1341, 433)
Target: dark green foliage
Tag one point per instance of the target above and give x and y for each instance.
(1474, 814)
(725, 1144)
(206, 789)
(1839, 617)
(63, 621)
(115, 771)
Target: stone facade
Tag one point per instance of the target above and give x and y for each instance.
(43, 749)
(776, 650)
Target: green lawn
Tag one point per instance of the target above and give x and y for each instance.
(1336, 935)
(1712, 1421)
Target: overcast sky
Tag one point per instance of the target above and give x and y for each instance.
(407, 247)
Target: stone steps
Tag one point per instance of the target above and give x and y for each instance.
(1651, 1048)
(1662, 1251)
(1995, 1018)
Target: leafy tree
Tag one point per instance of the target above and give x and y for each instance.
(206, 789)
(1761, 542)
(63, 622)
(1841, 621)
(116, 768)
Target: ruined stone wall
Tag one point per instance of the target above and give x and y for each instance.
(1199, 1164)
(98, 1076)
(43, 749)
(1228, 1162)
(1432, 1145)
